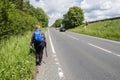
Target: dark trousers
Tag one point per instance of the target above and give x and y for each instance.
(39, 46)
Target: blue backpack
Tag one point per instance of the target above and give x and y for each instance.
(38, 36)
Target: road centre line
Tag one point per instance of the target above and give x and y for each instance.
(104, 50)
(72, 37)
(116, 54)
(100, 48)
(53, 50)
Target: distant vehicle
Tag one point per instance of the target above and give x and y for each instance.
(62, 29)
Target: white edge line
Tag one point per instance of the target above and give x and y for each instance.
(53, 50)
(56, 59)
(61, 75)
(57, 63)
(60, 72)
(54, 55)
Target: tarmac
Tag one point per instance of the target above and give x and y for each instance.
(48, 70)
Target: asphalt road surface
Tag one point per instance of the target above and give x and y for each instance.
(82, 57)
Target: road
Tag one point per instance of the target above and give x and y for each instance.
(82, 57)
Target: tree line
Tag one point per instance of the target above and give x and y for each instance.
(73, 18)
(18, 16)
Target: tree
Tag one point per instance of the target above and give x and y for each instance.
(74, 17)
(4, 8)
(36, 12)
(42, 17)
(18, 3)
(57, 23)
(15, 21)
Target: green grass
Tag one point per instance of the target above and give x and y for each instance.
(106, 29)
(16, 63)
(44, 29)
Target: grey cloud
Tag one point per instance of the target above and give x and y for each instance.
(96, 10)
(37, 0)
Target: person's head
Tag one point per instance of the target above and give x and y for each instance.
(37, 27)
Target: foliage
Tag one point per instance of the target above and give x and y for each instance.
(16, 63)
(74, 17)
(18, 3)
(38, 13)
(14, 21)
(109, 29)
(41, 16)
(57, 23)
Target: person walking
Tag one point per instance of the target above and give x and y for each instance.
(38, 39)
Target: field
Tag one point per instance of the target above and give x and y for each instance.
(109, 29)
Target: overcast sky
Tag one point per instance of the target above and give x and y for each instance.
(93, 9)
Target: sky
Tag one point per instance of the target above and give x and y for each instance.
(93, 9)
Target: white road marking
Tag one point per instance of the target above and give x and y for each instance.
(59, 69)
(56, 59)
(115, 54)
(72, 37)
(100, 48)
(61, 75)
(57, 63)
(60, 72)
(104, 50)
(53, 50)
(54, 55)
(118, 55)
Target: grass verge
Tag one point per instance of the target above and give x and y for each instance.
(106, 29)
(16, 63)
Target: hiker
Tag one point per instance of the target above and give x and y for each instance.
(38, 39)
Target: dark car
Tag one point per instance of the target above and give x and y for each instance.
(62, 29)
